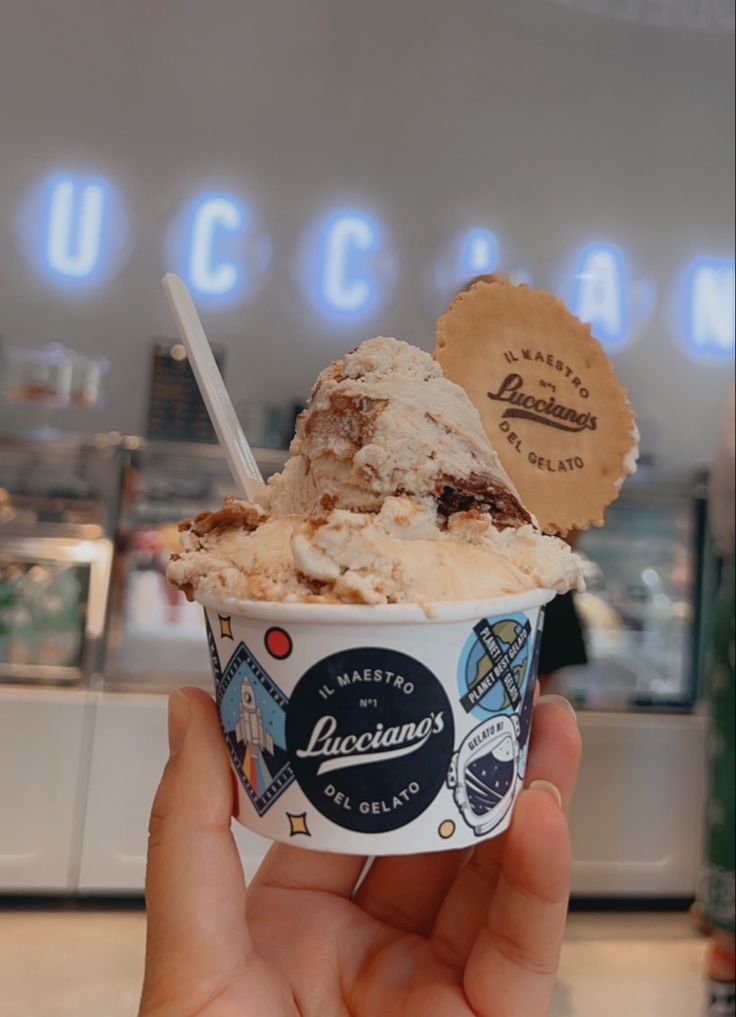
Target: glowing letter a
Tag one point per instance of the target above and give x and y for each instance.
(600, 294)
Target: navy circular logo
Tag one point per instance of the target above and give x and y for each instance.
(370, 734)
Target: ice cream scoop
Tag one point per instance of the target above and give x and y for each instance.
(384, 421)
(392, 493)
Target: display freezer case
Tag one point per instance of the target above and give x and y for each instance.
(53, 600)
(156, 642)
(641, 838)
(48, 477)
(92, 639)
(637, 817)
(58, 503)
(641, 607)
(156, 638)
(86, 622)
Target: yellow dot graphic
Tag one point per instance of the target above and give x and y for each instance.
(446, 829)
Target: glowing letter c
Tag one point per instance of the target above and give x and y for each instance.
(205, 274)
(341, 291)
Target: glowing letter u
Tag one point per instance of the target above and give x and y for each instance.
(75, 227)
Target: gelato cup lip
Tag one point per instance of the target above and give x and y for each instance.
(436, 612)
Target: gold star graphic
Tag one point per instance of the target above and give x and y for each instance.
(298, 824)
(226, 631)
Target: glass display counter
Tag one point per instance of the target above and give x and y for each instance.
(87, 522)
(640, 609)
(48, 477)
(58, 506)
(156, 638)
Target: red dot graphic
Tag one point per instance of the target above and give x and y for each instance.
(278, 643)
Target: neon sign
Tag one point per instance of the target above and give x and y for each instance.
(343, 288)
(343, 267)
(72, 227)
(216, 245)
(707, 318)
(468, 254)
(521, 275)
(207, 274)
(478, 253)
(600, 294)
(75, 227)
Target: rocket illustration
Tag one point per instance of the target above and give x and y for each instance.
(250, 727)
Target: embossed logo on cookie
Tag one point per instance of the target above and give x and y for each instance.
(370, 733)
(543, 409)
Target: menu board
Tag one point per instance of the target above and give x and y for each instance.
(176, 411)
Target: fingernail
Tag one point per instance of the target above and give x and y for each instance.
(179, 709)
(549, 787)
(560, 701)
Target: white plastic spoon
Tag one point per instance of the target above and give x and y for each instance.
(244, 468)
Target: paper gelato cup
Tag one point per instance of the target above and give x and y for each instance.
(376, 730)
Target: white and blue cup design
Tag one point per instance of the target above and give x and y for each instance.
(377, 730)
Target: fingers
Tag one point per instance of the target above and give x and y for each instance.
(406, 892)
(287, 867)
(512, 966)
(554, 756)
(195, 890)
(409, 892)
(556, 747)
(465, 908)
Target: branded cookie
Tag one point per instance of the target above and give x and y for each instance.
(548, 398)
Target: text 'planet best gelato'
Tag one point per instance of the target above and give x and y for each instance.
(392, 494)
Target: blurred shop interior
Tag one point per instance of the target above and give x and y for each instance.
(331, 172)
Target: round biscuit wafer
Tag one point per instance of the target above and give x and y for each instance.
(548, 397)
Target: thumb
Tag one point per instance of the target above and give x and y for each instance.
(195, 889)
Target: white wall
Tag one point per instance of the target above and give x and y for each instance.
(551, 125)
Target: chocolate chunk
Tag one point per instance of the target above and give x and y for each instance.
(480, 494)
(234, 516)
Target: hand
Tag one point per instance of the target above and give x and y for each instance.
(451, 934)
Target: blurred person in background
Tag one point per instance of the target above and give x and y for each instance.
(716, 890)
(563, 638)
